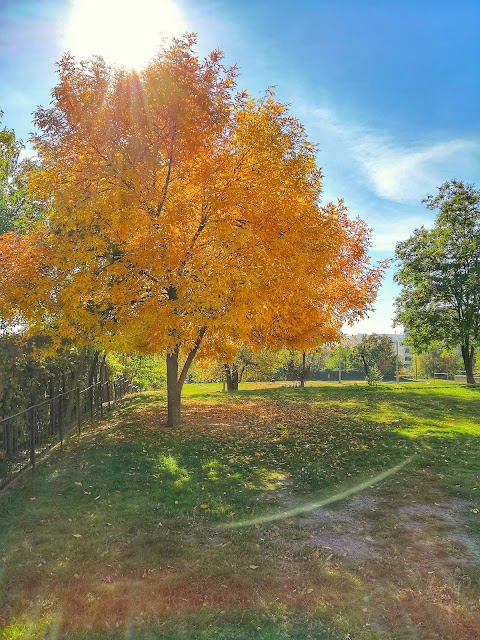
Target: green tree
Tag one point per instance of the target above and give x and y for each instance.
(343, 354)
(248, 365)
(144, 371)
(440, 275)
(374, 376)
(303, 365)
(437, 359)
(206, 370)
(15, 202)
(378, 350)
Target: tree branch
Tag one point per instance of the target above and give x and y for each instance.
(167, 179)
(190, 357)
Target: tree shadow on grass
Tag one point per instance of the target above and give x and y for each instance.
(129, 511)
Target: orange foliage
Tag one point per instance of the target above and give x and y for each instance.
(178, 208)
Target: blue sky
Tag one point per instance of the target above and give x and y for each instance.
(389, 89)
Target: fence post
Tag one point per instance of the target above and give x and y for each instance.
(63, 415)
(91, 402)
(100, 388)
(79, 414)
(108, 392)
(51, 393)
(31, 420)
(60, 421)
(35, 423)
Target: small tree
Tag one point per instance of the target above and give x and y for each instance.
(374, 375)
(298, 366)
(378, 350)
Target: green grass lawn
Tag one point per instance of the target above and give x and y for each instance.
(216, 530)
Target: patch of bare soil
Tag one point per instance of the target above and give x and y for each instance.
(366, 527)
(441, 525)
(345, 530)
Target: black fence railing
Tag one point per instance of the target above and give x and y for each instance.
(26, 435)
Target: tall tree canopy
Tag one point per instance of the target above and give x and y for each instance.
(182, 214)
(440, 275)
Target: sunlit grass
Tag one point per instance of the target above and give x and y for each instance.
(130, 531)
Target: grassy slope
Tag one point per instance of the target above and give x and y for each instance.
(118, 535)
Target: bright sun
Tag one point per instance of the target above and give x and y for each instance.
(124, 32)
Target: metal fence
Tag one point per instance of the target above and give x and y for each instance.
(26, 435)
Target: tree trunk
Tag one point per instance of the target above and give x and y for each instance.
(468, 355)
(75, 381)
(231, 374)
(228, 376)
(173, 390)
(234, 377)
(92, 374)
(365, 363)
(303, 373)
(175, 381)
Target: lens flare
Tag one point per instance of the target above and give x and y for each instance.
(310, 506)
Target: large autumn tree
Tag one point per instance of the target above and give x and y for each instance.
(182, 214)
(440, 275)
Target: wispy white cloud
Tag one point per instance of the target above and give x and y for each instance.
(390, 168)
(406, 175)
